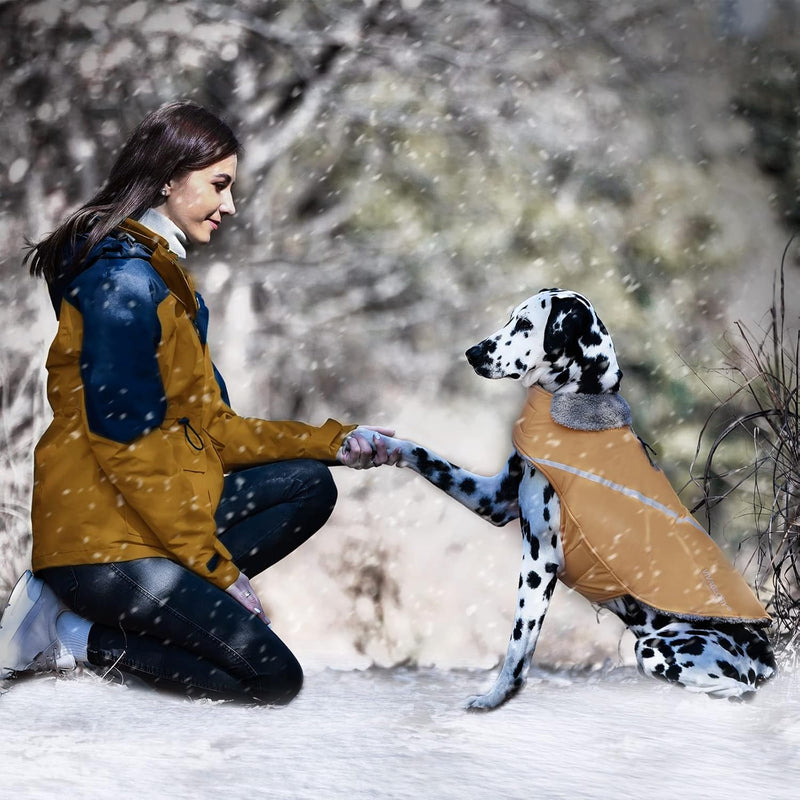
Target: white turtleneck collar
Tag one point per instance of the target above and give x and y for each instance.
(164, 226)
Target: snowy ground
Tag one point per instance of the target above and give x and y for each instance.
(406, 574)
(401, 733)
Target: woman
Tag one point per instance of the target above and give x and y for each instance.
(153, 501)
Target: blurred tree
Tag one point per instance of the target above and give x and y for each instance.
(414, 168)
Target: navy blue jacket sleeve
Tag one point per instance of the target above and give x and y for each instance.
(123, 390)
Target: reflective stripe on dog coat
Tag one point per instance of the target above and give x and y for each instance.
(624, 530)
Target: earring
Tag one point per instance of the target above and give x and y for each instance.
(164, 191)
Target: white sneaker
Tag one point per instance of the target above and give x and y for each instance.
(28, 639)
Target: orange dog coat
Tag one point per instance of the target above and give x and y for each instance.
(623, 528)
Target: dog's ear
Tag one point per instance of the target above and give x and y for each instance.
(570, 320)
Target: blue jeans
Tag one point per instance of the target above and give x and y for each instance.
(158, 620)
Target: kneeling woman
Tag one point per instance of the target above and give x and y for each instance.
(152, 499)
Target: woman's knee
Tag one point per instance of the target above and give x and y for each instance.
(280, 682)
(318, 477)
(319, 488)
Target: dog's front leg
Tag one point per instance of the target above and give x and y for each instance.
(495, 497)
(542, 559)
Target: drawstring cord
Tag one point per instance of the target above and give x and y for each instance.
(187, 426)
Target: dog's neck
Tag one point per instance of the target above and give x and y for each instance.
(600, 375)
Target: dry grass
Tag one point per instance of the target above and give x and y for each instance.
(763, 408)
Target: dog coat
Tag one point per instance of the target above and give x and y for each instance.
(624, 530)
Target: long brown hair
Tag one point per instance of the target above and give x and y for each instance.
(169, 142)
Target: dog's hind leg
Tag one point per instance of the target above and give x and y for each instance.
(542, 559)
(718, 659)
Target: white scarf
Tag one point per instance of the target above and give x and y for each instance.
(164, 226)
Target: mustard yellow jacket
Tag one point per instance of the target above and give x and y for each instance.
(133, 462)
(623, 528)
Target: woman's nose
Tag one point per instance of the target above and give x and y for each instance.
(227, 205)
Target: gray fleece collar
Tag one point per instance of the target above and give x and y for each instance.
(590, 412)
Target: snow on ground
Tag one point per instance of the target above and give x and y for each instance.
(401, 733)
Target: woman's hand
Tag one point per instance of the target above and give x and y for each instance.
(365, 447)
(243, 593)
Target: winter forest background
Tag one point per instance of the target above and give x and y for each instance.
(414, 169)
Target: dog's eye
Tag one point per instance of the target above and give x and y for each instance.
(523, 324)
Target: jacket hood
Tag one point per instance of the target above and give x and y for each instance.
(116, 245)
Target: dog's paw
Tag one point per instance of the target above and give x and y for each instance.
(478, 702)
(400, 450)
(486, 702)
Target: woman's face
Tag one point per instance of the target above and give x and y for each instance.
(197, 202)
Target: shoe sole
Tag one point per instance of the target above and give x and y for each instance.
(23, 597)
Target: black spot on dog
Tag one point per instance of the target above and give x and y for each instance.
(531, 624)
(519, 365)
(522, 324)
(694, 647)
(551, 566)
(729, 671)
(468, 486)
(509, 487)
(661, 621)
(534, 548)
(666, 651)
(548, 592)
(518, 630)
(760, 650)
(591, 338)
(522, 602)
(673, 672)
(726, 645)
(518, 668)
(444, 481)
(648, 652)
(428, 465)
(546, 514)
(548, 494)
(533, 580)
(592, 373)
(554, 541)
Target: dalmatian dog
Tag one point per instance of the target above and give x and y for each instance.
(556, 341)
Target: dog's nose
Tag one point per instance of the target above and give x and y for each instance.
(475, 355)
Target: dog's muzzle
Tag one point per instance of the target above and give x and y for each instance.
(479, 357)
